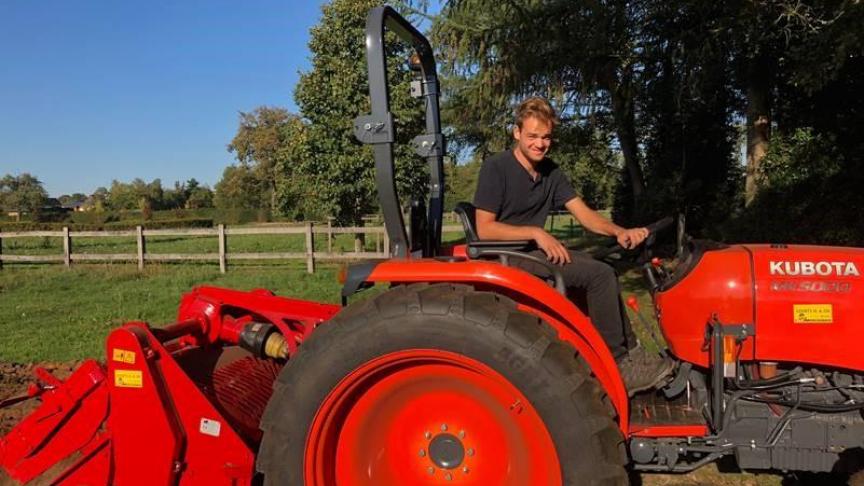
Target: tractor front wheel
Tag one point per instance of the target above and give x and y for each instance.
(437, 384)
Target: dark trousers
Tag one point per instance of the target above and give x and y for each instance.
(602, 295)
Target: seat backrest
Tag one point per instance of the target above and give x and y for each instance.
(467, 215)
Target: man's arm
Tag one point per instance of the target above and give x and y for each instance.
(489, 229)
(596, 223)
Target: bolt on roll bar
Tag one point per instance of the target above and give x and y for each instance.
(378, 130)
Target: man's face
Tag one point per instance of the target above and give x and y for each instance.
(533, 139)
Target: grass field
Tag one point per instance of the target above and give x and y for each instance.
(48, 312)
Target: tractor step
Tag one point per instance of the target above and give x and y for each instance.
(653, 415)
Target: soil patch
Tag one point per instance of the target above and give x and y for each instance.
(14, 379)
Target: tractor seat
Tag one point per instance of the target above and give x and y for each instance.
(475, 246)
(503, 250)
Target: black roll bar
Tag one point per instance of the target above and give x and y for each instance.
(378, 130)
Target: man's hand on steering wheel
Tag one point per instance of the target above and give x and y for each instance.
(632, 237)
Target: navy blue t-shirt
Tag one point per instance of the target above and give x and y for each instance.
(505, 188)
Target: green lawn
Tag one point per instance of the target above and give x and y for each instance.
(48, 312)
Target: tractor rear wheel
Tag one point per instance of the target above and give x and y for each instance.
(438, 384)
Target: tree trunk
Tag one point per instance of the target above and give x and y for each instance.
(274, 200)
(624, 117)
(622, 111)
(758, 123)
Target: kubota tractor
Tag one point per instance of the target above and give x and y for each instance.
(465, 370)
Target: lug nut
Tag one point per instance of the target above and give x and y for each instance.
(422, 453)
(461, 434)
(465, 469)
(448, 477)
(427, 435)
(443, 427)
(430, 470)
(470, 451)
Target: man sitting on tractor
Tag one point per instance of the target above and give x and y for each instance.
(515, 192)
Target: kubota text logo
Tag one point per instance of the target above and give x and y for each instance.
(840, 269)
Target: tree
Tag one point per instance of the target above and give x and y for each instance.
(239, 188)
(23, 194)
(99, 199)
(583, 55)
(199, 197)
(263, 142)
(338, 171)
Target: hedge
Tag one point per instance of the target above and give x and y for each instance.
(114, 226)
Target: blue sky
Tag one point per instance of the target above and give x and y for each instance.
(95, 90)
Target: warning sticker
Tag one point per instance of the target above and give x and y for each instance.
(123, 356)
(813, 313)
(128, 379)
(210, 427)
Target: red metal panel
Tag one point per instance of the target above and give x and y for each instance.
(67, 421)
(533, 295)
(812, 278)
(145, 429)
(93, 468)
(721, 285)
(166, 419)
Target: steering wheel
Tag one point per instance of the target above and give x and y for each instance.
(653, 229)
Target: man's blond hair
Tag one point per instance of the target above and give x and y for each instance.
(537, 107)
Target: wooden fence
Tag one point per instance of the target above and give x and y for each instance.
(221, 232)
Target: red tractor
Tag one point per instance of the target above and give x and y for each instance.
(465, 370)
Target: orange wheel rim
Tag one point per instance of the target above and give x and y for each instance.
(428, 417)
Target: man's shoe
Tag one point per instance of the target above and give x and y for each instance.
(643, 370)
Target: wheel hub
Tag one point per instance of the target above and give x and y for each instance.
(446, 451)
(401, 419)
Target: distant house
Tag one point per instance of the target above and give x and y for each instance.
(75, 206)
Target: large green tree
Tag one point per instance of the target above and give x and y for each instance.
(673, 81)
(336, 171)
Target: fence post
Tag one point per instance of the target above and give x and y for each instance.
(223, 246)
(386, 244)
(1, 251)
(67, 247)
(330, 234)
(310, 249)
(141, 249)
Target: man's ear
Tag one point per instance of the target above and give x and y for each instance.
(516, 132)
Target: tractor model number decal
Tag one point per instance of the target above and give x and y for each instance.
(813, 313)
(128, 379)
(811, 286)
(123, 356)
